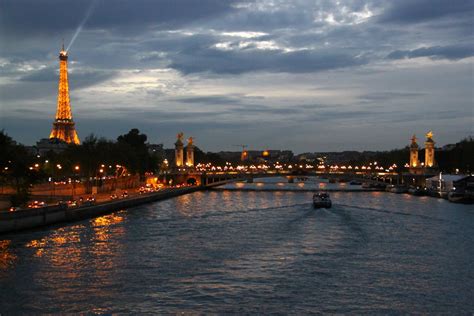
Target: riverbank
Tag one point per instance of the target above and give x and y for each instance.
(39, 217)
(292, 189)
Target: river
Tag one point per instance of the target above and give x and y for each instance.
(249, 252)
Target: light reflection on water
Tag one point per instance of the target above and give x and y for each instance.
(7, 258)
(249, 252)
(282, 182)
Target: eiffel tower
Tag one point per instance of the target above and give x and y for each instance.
(63, 126)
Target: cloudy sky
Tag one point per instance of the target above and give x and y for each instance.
(306, 75)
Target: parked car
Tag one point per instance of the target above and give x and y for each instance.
(37, 204)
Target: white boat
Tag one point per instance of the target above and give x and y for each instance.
(321, 200)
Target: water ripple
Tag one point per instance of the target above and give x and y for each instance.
(249, 252)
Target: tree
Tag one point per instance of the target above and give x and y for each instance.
(17, 169)
(140, 159)
(134, 139)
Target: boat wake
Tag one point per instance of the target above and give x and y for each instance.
(365, 208)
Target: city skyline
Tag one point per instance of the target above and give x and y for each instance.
(270, 74)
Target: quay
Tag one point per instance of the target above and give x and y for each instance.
(293, 190)
(38, 217)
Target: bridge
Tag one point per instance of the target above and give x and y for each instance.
(216, 178)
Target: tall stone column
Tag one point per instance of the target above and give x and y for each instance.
(178, 151)
(414, 162)
(190, 153)
(429, 150)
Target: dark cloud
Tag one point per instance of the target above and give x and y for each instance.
(242, 61)
(13, 92)
(410, 11)
(79, 79)
(231, 99)
(255, 109)
(454, 52)
(32, 17)
(210, 99)
(390, 95)
(41, 84)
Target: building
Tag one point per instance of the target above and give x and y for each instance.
(270, 155)
(344, 157)
(464, 185)
(46, 145)
(63, 126)
(232, 156)
(256, 155)
(444, 183)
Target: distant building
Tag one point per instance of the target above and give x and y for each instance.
(307, 157)
(464, 185)
(46, 145)
(231, 156)
(343, 157)
(444, 182)
(277, 155)
(270, 155)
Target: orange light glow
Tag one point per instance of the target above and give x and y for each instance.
(63, 126)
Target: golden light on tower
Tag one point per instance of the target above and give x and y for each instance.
(190, 152)
(429, 150)
(178, 152)
(63, 126)
(414, 162)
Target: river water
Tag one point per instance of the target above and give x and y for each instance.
(249, 252)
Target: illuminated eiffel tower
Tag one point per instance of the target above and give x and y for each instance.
(63, 126)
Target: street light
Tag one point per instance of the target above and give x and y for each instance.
(76, 169)
(98, 176)
(52, 182)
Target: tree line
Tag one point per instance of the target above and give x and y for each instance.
(20, 168)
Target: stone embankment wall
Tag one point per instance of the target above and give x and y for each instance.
(32, 218)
